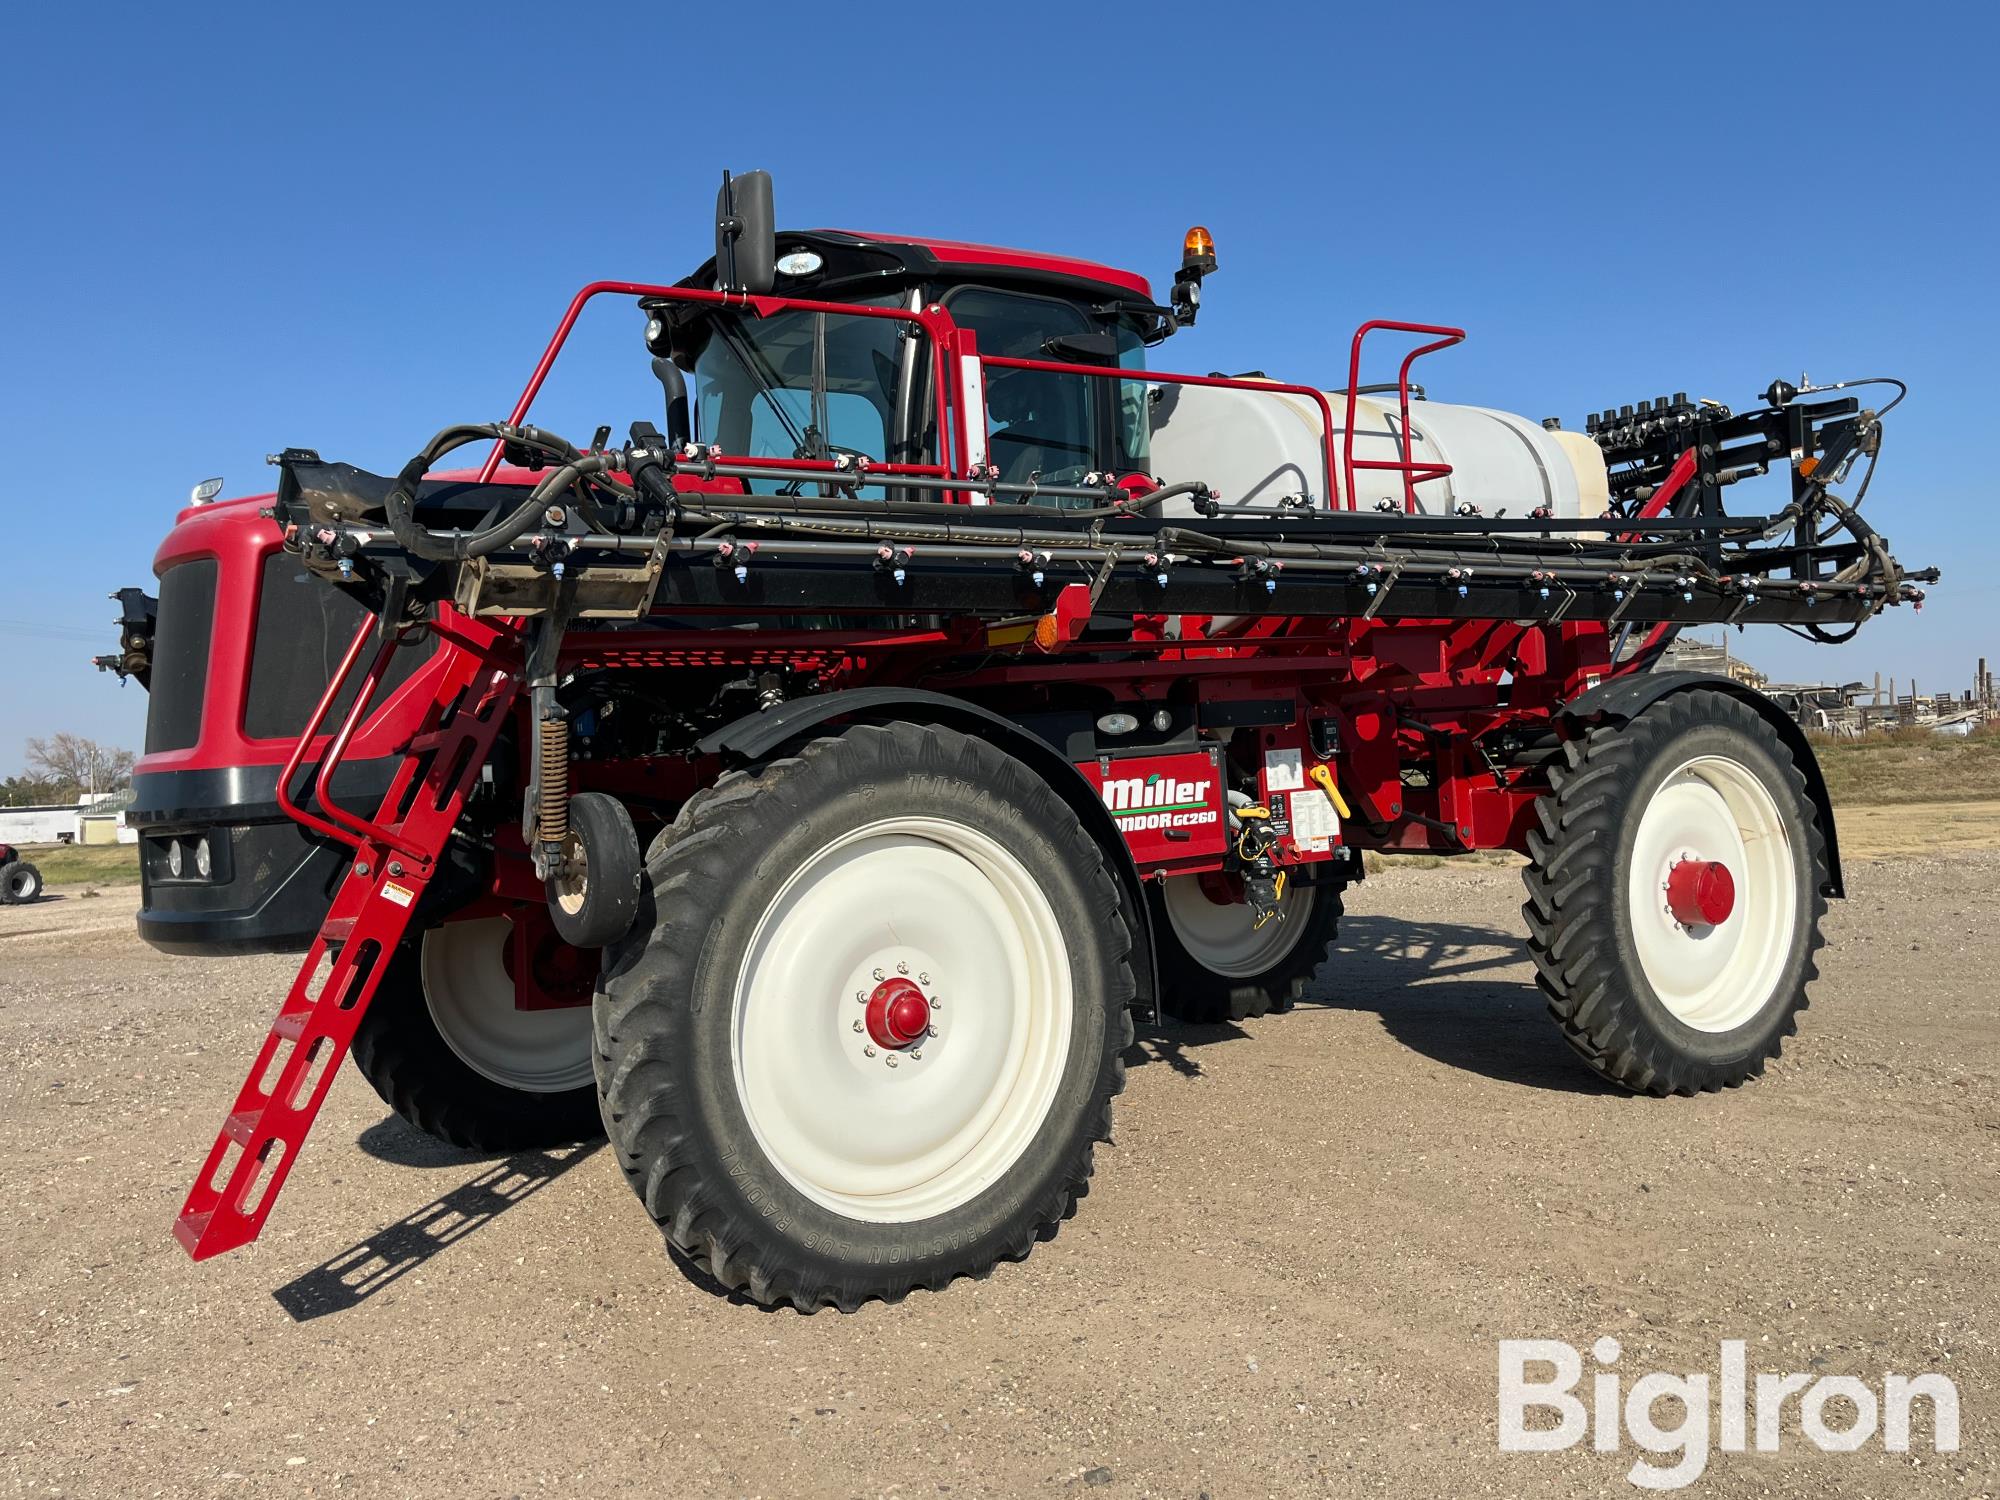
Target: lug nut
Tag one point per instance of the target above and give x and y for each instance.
(857, 1025)
(867, 1051)
(902, 968)
(890, 1060)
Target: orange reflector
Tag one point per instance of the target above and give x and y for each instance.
(1807, 465)
(1048, 634)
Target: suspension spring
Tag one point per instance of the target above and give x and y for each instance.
(552, 815)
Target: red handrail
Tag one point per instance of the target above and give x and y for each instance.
(941, 330)
(1161, 377)
(286, 805)
(330, 758)
(935, 322)
(1414, 472)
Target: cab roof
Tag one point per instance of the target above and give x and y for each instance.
(854, 257)
(998, 257)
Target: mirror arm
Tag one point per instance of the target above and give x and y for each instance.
(727, 228)
(679, 429)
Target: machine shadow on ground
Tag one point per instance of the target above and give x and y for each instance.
(383, 1258)
(1438, 988)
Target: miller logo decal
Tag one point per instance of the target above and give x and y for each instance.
(1156, 801)
(1166, 806)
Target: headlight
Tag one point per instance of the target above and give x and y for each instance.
(174, 858)
(202, 864)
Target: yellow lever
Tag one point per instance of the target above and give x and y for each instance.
(1324, 778)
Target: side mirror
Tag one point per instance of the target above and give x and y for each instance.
(746, 235)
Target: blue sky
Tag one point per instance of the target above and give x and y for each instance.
(231, 232)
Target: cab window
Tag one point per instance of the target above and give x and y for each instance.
(1039, 424)
(1047, 426)
(797, 385)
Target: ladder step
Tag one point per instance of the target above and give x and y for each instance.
(189, 1228)
(291, 1024)
(241, 1127)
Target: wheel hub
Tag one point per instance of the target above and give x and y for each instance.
(1700, 892)
(898, 1016)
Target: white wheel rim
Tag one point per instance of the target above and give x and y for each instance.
(1714, 978)
(471, 999)
(1224, 939)
(895, 1135)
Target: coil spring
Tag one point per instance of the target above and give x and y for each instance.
(552, 816)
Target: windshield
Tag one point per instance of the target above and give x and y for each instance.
(756, 393)
(808, 385)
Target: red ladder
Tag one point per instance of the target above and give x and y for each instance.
(395, 857)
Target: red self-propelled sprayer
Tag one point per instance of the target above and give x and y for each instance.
(812, 792)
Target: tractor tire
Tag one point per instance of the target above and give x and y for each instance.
(1675, 891)
(445, 1047)
(20, 883)
(1215, 967)
(865, 1034)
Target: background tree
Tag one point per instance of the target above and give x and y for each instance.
(33, 791)
(77, 765)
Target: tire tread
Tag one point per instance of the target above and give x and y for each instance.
(1594, 786)
(642, 1098)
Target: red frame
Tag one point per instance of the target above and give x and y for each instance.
(1399, 693)
(1395, 687)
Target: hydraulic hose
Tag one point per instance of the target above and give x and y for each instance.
(457, 545)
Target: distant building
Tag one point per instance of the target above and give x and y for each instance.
(95, 818)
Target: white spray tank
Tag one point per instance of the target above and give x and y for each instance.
(1261, 449)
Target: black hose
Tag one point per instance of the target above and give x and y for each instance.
(1143, 502)
(458, 545)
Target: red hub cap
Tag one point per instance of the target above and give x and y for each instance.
(898, 1014)
(1701, 892)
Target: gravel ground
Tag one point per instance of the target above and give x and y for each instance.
(1289, 1279)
